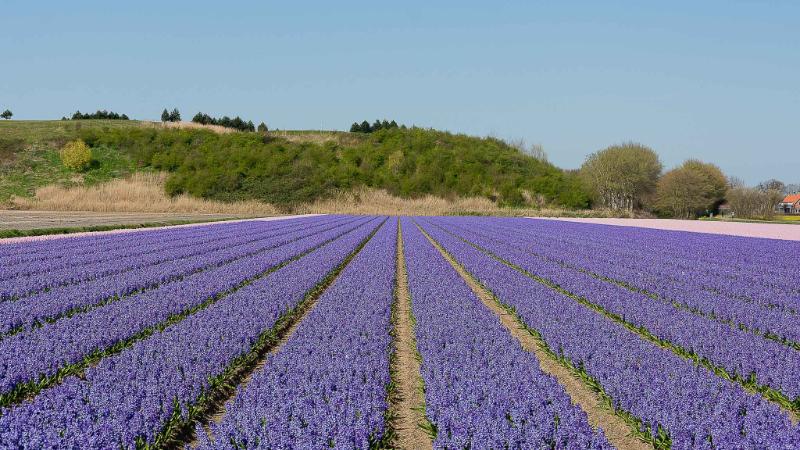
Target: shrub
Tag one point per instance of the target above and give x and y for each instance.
(76, 155)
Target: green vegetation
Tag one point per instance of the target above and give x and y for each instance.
(102, 115)
(7, 114)
(76, 155)
(285, 167)
(691, 190)
(173, 116)
(622, 176)
(365, 127)
(29, 155)
(236, 123)
(408, 163)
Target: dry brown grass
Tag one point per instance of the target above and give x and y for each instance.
(190, 125)
(143, 192)
(319, 137)
(375, 201)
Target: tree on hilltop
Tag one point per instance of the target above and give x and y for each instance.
(165, 115)
(7, 114)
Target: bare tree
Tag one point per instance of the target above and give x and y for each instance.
(753, 203)
(534, 150)
(772, 185)
(735, 182)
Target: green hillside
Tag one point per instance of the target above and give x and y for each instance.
(29, 155)
(284, 168)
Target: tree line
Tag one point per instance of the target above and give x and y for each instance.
(171, 116)
(104, 115)
(630, 177)
(365, 127)
(236, 123)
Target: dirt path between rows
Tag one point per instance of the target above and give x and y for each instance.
(616, 430)
(408, 405)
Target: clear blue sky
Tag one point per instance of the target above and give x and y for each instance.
(714, 80)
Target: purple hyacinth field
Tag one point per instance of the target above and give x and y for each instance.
(297, 334)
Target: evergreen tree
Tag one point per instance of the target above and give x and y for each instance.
(250, 126)
(385, 124)
(6, 114)
(262, 127)
(124, 117)
(393, 124)
(164, 115)
(175, 115)
(365, 128)
(377, 125)
(355, 128)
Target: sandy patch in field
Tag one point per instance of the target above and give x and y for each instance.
(137, 230)
(786, 232)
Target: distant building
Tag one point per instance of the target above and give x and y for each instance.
(790, 204)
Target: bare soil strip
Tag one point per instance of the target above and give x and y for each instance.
(211, 407)
(618, 432)
(407, 402)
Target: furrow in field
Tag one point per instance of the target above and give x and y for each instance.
(619, 432)
(326, 385)
(763, 366)
(407, 403)
(33, 312)
(38, 360)
(147, 393)
(483, 390)
(675, 401)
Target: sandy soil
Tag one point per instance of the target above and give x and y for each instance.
(106, 219)
(409, 401)
(787, 232)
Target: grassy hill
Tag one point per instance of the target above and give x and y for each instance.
(284, 168)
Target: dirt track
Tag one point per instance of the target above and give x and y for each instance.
(28, 220)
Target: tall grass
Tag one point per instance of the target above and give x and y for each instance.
(142, 192)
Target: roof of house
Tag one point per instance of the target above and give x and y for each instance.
(792, 198)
